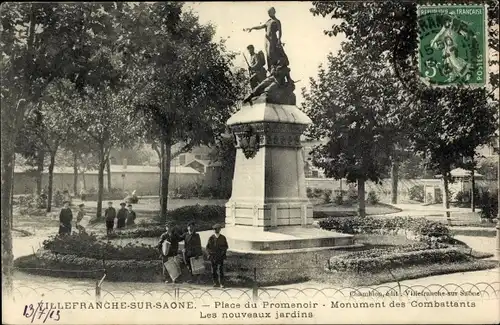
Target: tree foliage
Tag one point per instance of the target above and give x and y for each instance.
(444, 124)
(190, 87)
(354, 104)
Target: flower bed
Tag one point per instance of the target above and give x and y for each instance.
(421, 228)
(87, 245)
(378, 260)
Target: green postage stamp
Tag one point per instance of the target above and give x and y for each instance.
(453, 46)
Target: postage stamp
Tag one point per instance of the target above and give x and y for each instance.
(453, 46)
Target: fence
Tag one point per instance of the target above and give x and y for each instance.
(478, 291)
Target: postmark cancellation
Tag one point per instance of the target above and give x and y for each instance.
(453, 46)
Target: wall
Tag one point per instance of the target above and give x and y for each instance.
(143, 183)
(383, 190)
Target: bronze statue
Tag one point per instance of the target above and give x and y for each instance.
(278, 87)
(256, 66)
(273, 37)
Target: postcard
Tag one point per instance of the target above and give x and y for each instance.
(250, 162)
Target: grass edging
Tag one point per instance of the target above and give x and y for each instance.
(349, 279)
(486, 232)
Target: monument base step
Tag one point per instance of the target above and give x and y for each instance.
(242, 238)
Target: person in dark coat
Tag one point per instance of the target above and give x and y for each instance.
(130, 215)
(110, 215)
(170, 236)
(121, 216)
(192, 246)
(65, 218)
(216, 248)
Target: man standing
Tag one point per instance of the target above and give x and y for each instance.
(256, 67)
(121, 216)
(130, 215)
(217, 247)
(192, 246)
(170, 252)
(65, 218)
(110, 215)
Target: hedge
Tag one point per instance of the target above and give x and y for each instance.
(380, 260)
(204, 217)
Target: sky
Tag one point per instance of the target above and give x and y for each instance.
(305, 43)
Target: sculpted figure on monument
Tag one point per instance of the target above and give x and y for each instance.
(256, 66)
(273, 37)
(278, 87)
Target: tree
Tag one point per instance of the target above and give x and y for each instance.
(107, 119)
(37, 42)
(391, 27)
(224, 153)
(353, 105)
(31, 149)
(48, 126)
(190, 89)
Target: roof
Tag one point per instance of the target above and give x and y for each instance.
(118, 169)
(201, 161)
(460, 172)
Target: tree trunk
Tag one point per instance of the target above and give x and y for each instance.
(446, 198)
(12, 193)
(161, 153)
(394, 182)
(165, 175)
(473, 191)
(39, 172)
(51, 180)
(108, 171)
(7, 180)
(361, 198)
(75, 173)
(100, 186)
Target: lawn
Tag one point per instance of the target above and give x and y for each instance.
(334, 210)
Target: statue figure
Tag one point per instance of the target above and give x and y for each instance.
(273, 37)
(278, 87)
(256, 66)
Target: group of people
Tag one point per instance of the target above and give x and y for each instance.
(66, 218)
(124, 217)
(216, 248)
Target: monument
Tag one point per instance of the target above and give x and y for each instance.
(269, 208)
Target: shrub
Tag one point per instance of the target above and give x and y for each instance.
(327, 196)
(372, 198)
(58, 199)
(425, 230)
(488, 203)
(339, 198)
(416, 193)
(379, 260)
(309, 192)
(318, 192)
(352, 195)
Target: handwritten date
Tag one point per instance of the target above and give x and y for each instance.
(37, 312)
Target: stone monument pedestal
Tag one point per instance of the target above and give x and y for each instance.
(269, 208)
